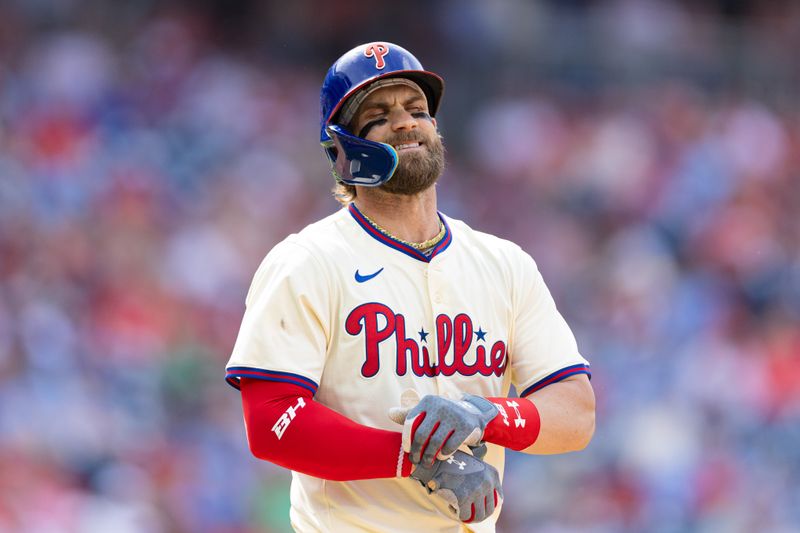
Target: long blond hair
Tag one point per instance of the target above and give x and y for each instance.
(344, 193)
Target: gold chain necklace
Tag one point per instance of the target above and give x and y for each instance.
(424, 245)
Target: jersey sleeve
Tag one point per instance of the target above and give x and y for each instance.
(285, 330)
(543, 348)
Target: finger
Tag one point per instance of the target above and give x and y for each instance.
(435, 443)
(420, 407)
(450, 444)
(480, 510)
(451, 499)
(490, 502)
(467, 514)
(398, 414)
(409, 429)
(409, 398)
(419, 434)
(422, 450)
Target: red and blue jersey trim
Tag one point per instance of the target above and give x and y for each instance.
(234, 373)
(397, 245)
(556, 376)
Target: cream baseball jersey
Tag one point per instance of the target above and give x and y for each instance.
(357, 317)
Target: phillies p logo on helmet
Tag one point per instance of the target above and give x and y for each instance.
(377, 50)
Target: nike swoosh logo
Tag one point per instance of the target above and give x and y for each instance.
(367, 277)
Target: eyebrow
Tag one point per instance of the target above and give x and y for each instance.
(383, 104)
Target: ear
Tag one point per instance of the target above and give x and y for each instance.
(435, 125)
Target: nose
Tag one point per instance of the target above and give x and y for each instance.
(402, 120)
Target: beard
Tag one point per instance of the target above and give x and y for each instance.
(418, 170)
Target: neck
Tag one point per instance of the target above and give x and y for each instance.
(409, 218)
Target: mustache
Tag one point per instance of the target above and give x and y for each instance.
(409, 137)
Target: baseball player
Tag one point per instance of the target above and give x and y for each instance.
(379, 345)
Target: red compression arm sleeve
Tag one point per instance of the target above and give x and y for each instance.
(287, 427)
(517, 426)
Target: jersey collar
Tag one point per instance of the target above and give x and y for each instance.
(397, 245)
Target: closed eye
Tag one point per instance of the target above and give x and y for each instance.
(374, 116)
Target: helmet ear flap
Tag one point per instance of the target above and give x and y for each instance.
(357, 161)
(331, 153)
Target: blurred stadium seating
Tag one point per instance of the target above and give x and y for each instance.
(646, 153)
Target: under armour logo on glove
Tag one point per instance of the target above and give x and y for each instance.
(461, 464)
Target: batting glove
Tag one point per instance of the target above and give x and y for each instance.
(436, 426)
(470, 487)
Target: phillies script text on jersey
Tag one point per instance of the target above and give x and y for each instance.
(378, 323)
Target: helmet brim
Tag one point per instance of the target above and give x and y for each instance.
(431, 84)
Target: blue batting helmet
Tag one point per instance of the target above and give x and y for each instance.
(354, 160)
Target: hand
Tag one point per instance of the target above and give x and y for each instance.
(436, 426)
(470, 486)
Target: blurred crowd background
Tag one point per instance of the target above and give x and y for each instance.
(645, 152)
